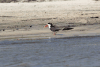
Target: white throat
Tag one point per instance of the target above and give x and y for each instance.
(49, 26)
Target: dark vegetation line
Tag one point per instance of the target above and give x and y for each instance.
(9, 1)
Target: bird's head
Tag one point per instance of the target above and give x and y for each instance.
(49, 25)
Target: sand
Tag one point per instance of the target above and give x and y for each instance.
(27, 20)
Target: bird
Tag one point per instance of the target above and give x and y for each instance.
(55, 29)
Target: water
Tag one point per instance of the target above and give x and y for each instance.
(61, 52)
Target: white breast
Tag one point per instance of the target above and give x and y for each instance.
(49, 26)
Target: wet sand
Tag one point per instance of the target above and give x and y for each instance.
(27, 20)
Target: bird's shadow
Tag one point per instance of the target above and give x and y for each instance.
(60, 34)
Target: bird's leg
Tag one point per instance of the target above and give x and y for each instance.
(54, 33)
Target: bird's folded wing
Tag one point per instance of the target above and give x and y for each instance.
(64, 28)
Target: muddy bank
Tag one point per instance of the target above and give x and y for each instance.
(25, 19)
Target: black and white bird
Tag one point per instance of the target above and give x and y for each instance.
(54, 28)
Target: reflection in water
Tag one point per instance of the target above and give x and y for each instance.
(52, 52)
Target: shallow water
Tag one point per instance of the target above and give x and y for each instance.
(54, 52)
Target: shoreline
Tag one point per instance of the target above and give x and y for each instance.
(26, 20)
(81, 31)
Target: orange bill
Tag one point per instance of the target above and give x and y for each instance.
(46, 26)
